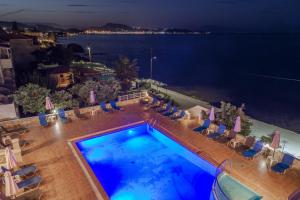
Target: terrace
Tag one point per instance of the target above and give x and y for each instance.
(63, 177)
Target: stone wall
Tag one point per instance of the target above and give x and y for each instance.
(34, 121)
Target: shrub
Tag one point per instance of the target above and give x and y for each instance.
(104, 90)
(31, 98)
(63, 99)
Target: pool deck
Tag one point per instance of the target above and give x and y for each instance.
(63, 177)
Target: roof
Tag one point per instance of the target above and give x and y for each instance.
(5, 45)
(3, 36)
(56, 70)
(17, 36)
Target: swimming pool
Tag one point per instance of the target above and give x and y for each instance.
(142, 163)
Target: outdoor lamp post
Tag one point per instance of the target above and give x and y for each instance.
(151, 64)
(90, 55)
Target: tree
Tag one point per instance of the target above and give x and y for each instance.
(104, 90)
(76, 48)
(61, 55)
(31, 98)
(36, 77)
(228, 115)
(126, 71)
(62, 99)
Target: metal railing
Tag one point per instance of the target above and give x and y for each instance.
(136, 95)
(218, 193)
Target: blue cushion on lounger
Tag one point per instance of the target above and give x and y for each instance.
(204, 126)
(31, 182)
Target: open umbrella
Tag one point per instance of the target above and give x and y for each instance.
(92, 97)
(212, 114)
(11, 188)
(49, 105)
(275, 141)
(11, 160)
(237, 125)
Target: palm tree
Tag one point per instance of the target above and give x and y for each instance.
(126, 71)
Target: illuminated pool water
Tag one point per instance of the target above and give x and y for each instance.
(141, 163)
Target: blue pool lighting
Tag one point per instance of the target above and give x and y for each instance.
(142, 163)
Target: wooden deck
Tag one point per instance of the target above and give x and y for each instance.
(63, 178)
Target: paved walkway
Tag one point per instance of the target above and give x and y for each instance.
(64, 179)
(290, 141)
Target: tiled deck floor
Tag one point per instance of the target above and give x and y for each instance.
(64, 179)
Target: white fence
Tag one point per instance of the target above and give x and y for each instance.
(137, 95)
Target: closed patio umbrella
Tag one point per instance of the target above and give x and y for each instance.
(11, 188)
(11, 160)
(212, 114)
(237, 125)
(49, 104)
(92, 97)
(275, 141)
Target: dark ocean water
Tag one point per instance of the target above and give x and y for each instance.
(238, 68)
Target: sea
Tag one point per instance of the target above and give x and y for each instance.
(260, 70)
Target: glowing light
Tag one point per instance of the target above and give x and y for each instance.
(132, 132)
(96, 155)
(129, 193)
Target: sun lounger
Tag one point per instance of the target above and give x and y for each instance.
(104, 108)
(254, 151)
(30, 182)
(170, 112)
(203, 127)
(25, 171)
(78, 114)
(62, 115)
(284, 165)
(43, 120)
(113, 104)
(178, 116)
(221, 130)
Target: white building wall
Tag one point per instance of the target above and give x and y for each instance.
(7, 111)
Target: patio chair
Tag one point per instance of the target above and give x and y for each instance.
(31, 194)
(78, 114)
(104, 108)
(170, 112)
(62, 115)
(177, 116)
(164, 108)
(285, 164)
(295, 195)
(114, 105)
(203, 127)
(13, 130)
(43, 119)
(23, 172)
(221, 130)
(226, 138)
(254, 151)
(157, 104)
(33, 182)
(249, 142)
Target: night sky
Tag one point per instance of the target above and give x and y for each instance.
(249, 15)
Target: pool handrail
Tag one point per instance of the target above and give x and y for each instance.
(219, 171)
